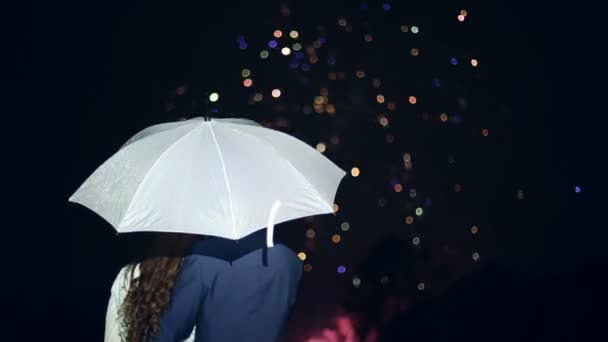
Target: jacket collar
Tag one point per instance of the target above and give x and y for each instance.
(230, 250)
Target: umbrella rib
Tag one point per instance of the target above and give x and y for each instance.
(151, 168)
(219, 151)
(267, 143)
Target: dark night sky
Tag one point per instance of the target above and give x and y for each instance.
(108, 68)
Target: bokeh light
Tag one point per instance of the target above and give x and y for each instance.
(475, 256)
(354, 127)
(341, 269)
(383, 121)
(310, 233)
(214, 97)
(307, 268)
(302, 256)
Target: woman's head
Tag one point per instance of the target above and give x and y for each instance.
(150, 291)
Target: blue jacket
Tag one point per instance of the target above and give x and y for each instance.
(232, 291)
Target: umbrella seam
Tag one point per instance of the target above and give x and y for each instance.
(266, 143)
(150, 171)
(219, 151)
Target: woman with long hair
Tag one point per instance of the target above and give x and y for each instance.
(142, 290)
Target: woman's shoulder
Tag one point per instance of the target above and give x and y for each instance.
(123, 278)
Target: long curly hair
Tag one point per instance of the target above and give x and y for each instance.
(150, 292)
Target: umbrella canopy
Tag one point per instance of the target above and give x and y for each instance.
(219, 177)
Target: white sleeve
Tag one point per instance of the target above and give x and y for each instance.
(113, 322)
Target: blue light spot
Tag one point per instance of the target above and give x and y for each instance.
(386, 6)
(454, 61)
(341, 269)
(577, 189)
(272, 44)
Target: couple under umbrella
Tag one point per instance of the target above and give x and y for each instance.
(213, 190)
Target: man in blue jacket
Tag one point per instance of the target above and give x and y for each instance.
(232, 291)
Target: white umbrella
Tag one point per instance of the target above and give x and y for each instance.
(218, 177)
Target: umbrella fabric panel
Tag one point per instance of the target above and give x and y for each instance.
(303, 158)
(185, 189)
(258, 176)
(152, 130)
(111, 188)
